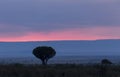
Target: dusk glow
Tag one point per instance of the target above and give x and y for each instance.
(68, 34)
(45, 20)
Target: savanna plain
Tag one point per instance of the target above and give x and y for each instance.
(59, 70)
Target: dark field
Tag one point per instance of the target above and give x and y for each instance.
(59, 70)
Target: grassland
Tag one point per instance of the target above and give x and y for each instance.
(59, 70)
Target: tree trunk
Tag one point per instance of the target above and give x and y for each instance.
(44, 62)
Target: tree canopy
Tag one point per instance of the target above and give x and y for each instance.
(44, 53)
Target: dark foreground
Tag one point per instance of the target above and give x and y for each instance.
(59, 70)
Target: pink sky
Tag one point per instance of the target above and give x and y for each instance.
(92, 33)
(46, 20)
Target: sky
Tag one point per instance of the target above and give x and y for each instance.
(43, 20)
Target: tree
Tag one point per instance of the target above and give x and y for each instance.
(44, 53)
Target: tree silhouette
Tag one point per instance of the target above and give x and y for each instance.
(44, 53)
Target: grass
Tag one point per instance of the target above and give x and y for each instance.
(59, 70)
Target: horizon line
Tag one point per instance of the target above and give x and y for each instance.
(56, 40)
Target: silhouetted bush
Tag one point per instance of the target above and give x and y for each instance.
(106, 61)
(105, 65)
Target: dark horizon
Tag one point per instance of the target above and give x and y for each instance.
(98, 47)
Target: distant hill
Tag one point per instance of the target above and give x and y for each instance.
(76, 48)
